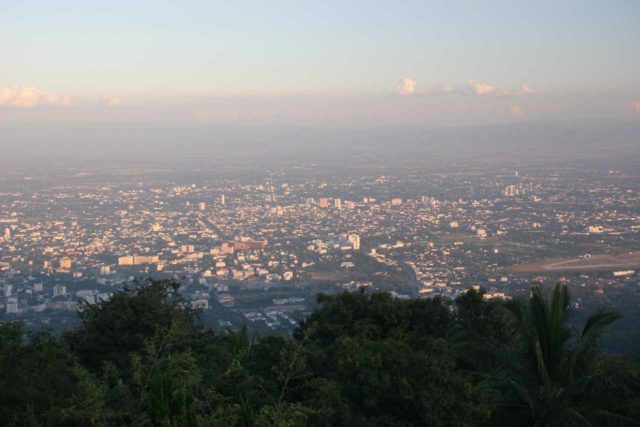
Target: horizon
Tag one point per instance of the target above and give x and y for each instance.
(360, 65)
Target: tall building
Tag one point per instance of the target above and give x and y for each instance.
(65, 263)
(59, 290)
(337, 203)
(223, 200)
(510, 191)
(202, 206)
(7, 233)
(354, 239)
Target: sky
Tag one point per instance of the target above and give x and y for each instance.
(326, 64)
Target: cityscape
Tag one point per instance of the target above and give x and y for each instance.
(357, 213)
(256, 250)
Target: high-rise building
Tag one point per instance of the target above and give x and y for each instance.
(8, 289)
(337, 203)
(7, 233)
(59, 290)
(510, 191)
(354, 239)
(223, 200)
(202, 206)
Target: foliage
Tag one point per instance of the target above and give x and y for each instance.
(546, 375)
(360, 359)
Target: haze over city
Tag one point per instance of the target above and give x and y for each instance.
(84, 77)
(297, 213)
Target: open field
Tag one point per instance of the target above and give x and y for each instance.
(593, 263)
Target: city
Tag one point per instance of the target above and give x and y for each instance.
(257, 250)
(320, 213)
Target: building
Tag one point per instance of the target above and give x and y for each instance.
(624, 273)
(396, 201)
(12, 307)
(137, 260)
(125, 260)
(510, 191)
(223, 200)
(245, 243)
(354, 239)
(141, 259)
(337, 203)
(59, 290)
(65, 263)
(7, 233)
(595, 229)
(188, 249)
(324, 202)
(202, 206)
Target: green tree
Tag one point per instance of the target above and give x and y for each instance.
(113, 330)
(38, 378)
(549, 376)
(386, 362)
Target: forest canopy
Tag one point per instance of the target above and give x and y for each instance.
(361, 359)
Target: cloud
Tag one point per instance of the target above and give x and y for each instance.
(471, 87)
(482, 88)
(635, 106)
(526, 90)
(29, 96)
(516, 111)
(406, 86)
(114, 101)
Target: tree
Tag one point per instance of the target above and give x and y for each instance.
(387, 362)
(549, 376)
(112, 330)
(37, 376)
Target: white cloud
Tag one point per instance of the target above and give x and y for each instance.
(516, 111)
(406, 86)
(526, 90)
(114, 101)
(29, 96)
(482, 88)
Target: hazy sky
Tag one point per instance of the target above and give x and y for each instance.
(311, 63)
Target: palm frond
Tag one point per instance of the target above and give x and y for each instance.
(596, 323)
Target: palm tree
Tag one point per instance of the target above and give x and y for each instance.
(549, 378)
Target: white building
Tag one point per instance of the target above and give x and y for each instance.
(354, 239)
